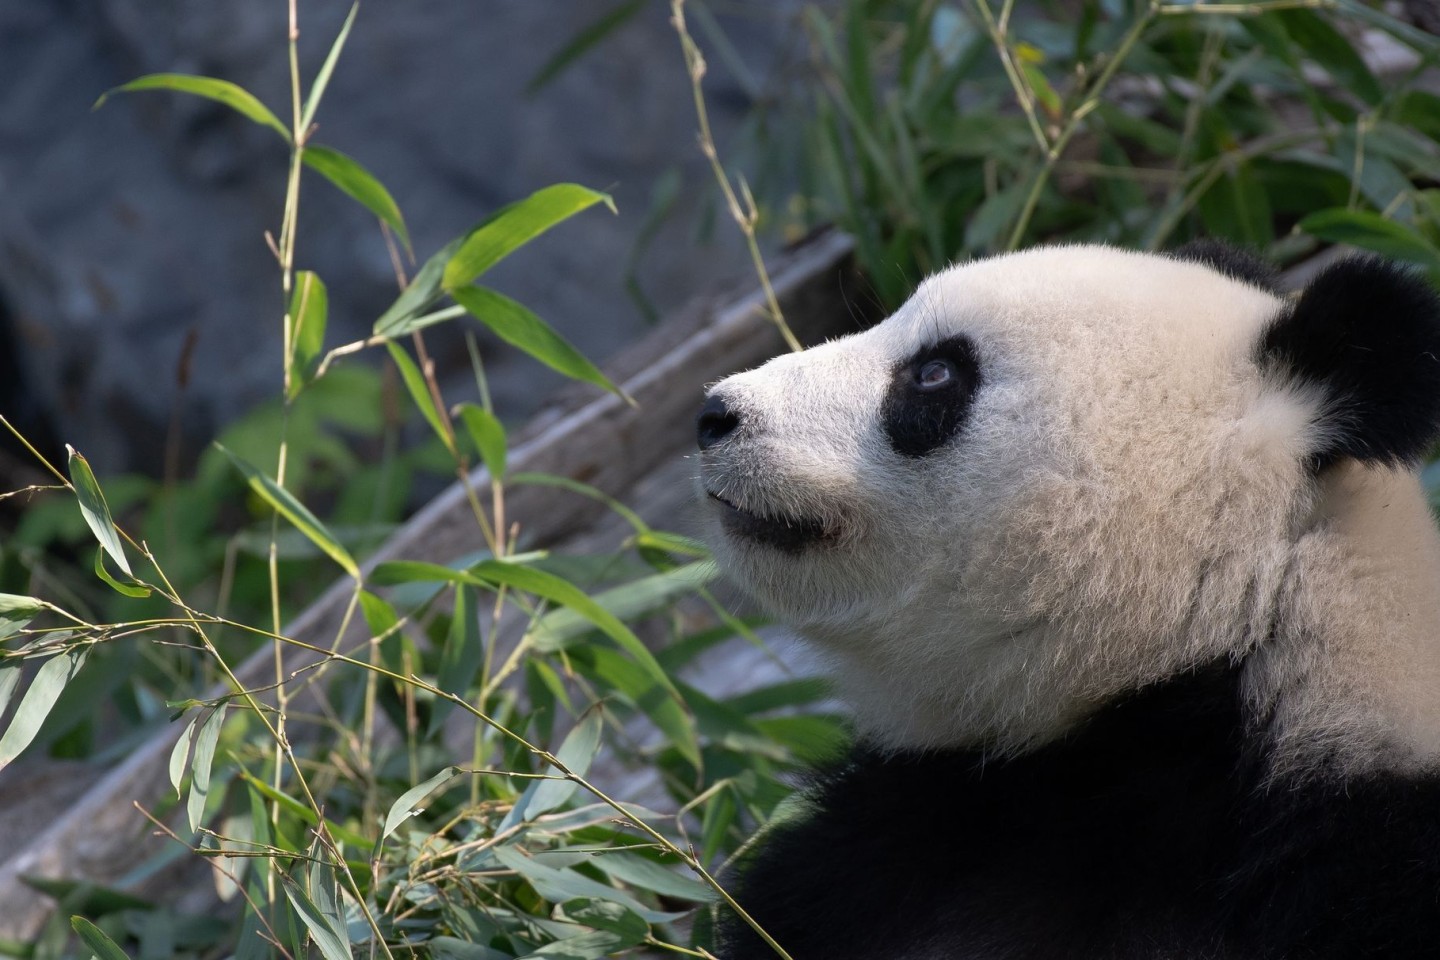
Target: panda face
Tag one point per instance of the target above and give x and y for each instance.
(1051, 477)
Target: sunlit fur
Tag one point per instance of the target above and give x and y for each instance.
(1129, 497)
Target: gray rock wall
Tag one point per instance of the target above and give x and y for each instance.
(125, 231)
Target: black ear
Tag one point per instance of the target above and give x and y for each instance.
(1232, 261)
(1368, 334)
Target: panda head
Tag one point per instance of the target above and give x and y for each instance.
(1057, 476)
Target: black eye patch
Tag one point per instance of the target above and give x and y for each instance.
(930, 395)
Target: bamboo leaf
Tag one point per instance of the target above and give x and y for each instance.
(559, 885)
(517, 326)
(309, 305)
(566, 594)
(406, 807)
(92, 505)
(461, 656)
(221, 91)
(180, 753)
(321, 881)
(101, 945)
(420, 392)
(200, 765)
(137, 590)
(1329, 48)
(15, 607)
(294, 511)
(35, 705)
(9, 680)
(333, 944)
(303, 813)
(359, 184)
(638, 871)
(488, 435)
(322, 79)
(666, 712)
(493, 573)
(1040, 86)
(558, 628)
(516, 225)
(584, 39)
(1361, 228)
(577, 752)
(423, 290)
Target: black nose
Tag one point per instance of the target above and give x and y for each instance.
(715, 422)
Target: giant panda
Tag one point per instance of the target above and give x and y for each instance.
(1123, 562)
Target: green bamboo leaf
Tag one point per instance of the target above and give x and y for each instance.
(558, 628)
(629, 678)
(323, 890)
(296, 512)
(639, 871)
(35, 706)
(488, 435)
(14, 607)
(577, 752)
(461, 656)
(423, 290)
(92, 505)
(200, 765)
(221, 91)
(721, 814)
(322, 79)
(1370, 231)
(607, 916)
(333, 943)
(309, 305)
(556, 590)
(559, 885)
(1040, 86)
(10, 675)
(302, 813)
(494, 573)
(420, 393)
(379, 615)
(584, 39)
(16, 611)
(516, 225)
(595, 945)
(517, 326)
(394, 572)
(359, 184)
(382, 620)
(406, 807)
(137, 589)
(1329, 48)
(180, 753)
(101, 945)
(527, 478)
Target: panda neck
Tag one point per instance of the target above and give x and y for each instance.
(1350, 680)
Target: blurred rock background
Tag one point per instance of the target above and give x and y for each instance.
(129, 232)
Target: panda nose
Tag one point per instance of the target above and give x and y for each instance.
(715, 423)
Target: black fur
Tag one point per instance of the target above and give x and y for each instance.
(1368, 334)
(917, 420)
(1146, 834)
(1233, 262)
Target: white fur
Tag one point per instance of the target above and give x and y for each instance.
(1126, 500)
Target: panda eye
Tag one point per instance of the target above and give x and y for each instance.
(935, 375)
(930, 396)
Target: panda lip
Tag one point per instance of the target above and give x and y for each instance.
(787, 534)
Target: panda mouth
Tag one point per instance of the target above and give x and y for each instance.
(784, 533)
